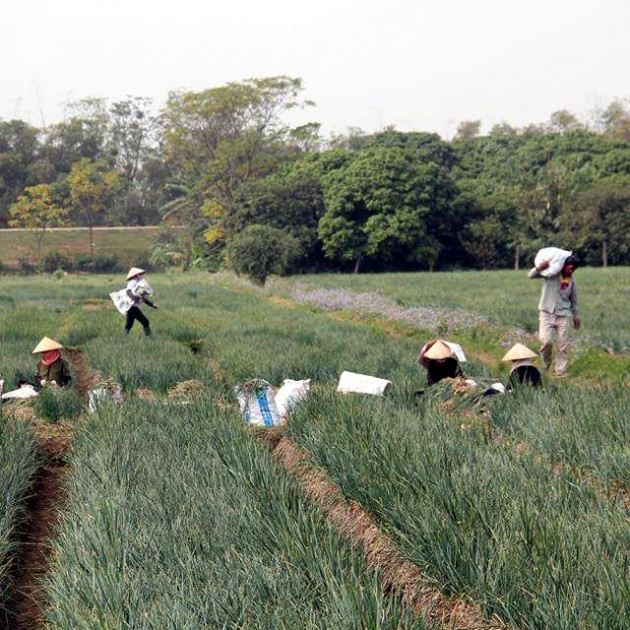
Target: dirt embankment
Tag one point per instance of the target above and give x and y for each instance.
(26, 604)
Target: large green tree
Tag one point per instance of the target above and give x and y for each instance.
(379, 205)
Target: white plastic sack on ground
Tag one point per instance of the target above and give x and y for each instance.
(258, 405)
(350, 382)
(25, 391)
(556, 258)
(121, 301)
(290, 394)
(458, 351)
(102, 395)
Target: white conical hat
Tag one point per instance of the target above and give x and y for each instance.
(134, 271)
(47, 344)
(439, 350)
(518, 352)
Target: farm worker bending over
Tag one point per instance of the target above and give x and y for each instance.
(51, 368)
(138, 290)
(440, 361)
(523, 372)
(558, 303)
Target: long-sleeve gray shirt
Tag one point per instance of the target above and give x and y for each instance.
(554, 299)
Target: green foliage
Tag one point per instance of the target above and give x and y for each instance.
(259, 251)
(55, 404)
(189, 523)
(19, 460)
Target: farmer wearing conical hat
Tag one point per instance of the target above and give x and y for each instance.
(440, 360)
(558, 305)
(139, 291)
(523, 371)
(51, 368)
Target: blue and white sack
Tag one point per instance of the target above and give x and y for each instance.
(257, 401)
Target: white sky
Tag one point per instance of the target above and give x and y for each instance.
(415, 64)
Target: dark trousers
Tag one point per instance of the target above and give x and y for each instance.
(135, 313)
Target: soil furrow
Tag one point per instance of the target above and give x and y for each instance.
(397, 574)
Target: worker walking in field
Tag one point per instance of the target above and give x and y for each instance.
(523, 371)
(558, 305)
(51, 368)
(138, 291)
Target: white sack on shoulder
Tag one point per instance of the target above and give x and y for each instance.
(351, 382)
(143, 289)
(290, 394)
(556, 258)
(121, 301)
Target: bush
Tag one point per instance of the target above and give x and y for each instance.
(25, 267)
(53, 261)
(260, 250)
(98, 264)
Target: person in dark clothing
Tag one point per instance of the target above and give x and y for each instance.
(523, 372)
(439, 361)
(51, 368)
(140, 292)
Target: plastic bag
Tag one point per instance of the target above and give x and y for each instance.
(350, 382)
(121, 301)
(258, 404)
(556, 258)
(102, 395)
(290, 394)
(25, 391)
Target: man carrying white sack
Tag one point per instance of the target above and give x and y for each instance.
(558, 304)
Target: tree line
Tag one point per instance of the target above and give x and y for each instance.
(261, 196)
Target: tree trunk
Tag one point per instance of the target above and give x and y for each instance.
(91, 244)
(605, 253)
(358, 263)
(517, 255)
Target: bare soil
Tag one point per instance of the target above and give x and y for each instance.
(28, 600)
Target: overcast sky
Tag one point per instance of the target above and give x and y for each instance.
(415, 64)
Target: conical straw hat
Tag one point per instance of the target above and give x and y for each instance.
(518, 352)
(47, 344)
(134, 271)
(439, 350)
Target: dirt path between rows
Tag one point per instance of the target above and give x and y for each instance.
(27, 603)
(397, 574)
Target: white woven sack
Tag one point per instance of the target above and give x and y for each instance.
(351, 382)
(290, 394)
(121, 301)
(23, 392)
(259, 408)
(102, 395)
(556, 258)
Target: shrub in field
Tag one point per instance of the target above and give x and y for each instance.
(53, 261)
(25, 267)
(178, 519)
(259, 251)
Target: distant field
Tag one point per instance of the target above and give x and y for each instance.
(508, 296)
(127, 244)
